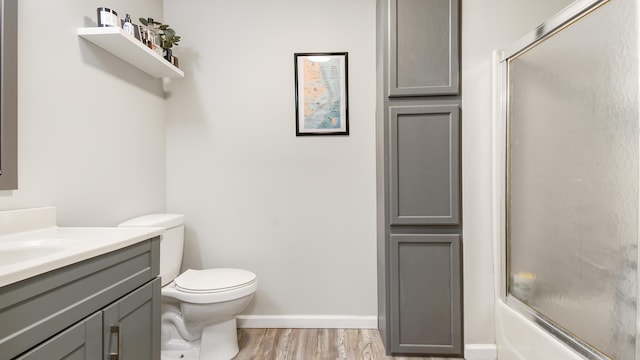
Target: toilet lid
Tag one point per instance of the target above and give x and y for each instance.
(214, 280)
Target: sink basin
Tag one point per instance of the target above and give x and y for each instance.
(19, 251)
(31, 243)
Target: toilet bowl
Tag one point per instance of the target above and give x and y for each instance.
(209, 302)
(199, 307)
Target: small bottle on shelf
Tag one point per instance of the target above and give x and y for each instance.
(151, 34)
(143, 33)
(127, 26)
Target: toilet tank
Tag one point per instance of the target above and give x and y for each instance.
(171, 243)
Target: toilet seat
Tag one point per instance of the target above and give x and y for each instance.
(211, 285)
(213, 280)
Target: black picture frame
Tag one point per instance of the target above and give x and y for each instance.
(321, 93)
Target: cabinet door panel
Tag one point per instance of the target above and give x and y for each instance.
(131, 325)
(426, 294)
(423, 47)
(424, 165)
(82, 341)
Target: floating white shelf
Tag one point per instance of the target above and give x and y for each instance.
(131, 50)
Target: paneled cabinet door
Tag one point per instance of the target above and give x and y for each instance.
(425, 299)
(424, 165)
(131, 326)
(82, 341)
(423, 47)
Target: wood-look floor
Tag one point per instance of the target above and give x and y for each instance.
(310, 344)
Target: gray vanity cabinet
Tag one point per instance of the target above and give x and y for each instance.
(87, 310)
(129, 328)
(419, 215)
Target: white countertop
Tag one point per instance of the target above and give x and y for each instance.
(29, 248)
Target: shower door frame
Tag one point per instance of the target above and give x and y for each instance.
(558, 22)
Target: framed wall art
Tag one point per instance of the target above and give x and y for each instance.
(321, 93)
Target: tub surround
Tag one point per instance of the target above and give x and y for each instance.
(32, 244)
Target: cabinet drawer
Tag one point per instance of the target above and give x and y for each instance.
(33, 310)
(81, 341)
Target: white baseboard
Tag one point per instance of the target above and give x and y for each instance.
(307, 322)
(480, 352)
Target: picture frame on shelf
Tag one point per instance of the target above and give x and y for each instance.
(321, 93)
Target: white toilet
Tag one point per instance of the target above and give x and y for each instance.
(199, 307)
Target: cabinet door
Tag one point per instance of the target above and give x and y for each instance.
(425, 297)
(424, 164)
(131, 325)
(82, 341)
(423, 47)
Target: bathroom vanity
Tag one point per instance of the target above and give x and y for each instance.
(78, 293)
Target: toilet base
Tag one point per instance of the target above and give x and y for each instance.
(176, 348)
(219, 341)
(191, 354)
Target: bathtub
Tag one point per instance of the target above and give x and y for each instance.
(518, 338)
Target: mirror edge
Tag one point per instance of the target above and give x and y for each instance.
(9, 95)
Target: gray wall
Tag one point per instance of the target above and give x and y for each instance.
(91, 127)
(298, 211)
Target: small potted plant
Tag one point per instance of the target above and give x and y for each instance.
(168, 37)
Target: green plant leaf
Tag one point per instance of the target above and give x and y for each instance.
(168, 36)
(143, 21)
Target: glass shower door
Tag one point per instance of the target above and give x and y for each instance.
(572, 180)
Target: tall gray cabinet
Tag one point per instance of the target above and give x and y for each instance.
(418, 173)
